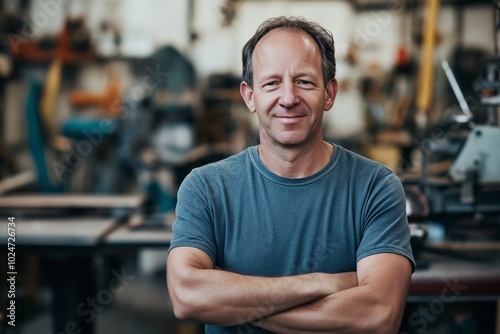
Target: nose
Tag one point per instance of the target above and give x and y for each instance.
(289, 96)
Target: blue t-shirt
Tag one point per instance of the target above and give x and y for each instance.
(254, 222)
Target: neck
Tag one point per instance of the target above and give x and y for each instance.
(296, 162)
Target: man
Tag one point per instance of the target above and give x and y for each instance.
(295, 235)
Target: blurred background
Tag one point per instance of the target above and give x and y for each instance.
(106, 105)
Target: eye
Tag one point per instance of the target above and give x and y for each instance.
(304, 82)
(270, 85)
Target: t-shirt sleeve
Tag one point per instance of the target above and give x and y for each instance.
(386, 228)
(193, 224)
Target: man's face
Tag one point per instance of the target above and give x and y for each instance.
(288, 94)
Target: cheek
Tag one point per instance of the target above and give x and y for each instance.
(264, 103)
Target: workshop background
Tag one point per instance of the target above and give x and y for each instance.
(106, 105)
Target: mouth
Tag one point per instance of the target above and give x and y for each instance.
(290, 118)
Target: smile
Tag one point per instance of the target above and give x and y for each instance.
(290, 119)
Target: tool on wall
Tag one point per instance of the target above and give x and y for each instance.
(426, 71)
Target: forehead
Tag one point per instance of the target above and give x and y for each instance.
(287, 36)
(284, 45)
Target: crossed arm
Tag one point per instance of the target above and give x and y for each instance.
(371, 299)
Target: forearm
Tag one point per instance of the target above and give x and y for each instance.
(224, 298)
(356, 310)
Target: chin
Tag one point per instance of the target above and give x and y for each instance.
(291, 141)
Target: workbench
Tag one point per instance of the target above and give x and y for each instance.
(70, 243)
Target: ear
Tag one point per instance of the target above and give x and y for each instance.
(247, 93)
(331, 90)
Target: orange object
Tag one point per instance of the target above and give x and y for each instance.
(109, 100)
(402, 56)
